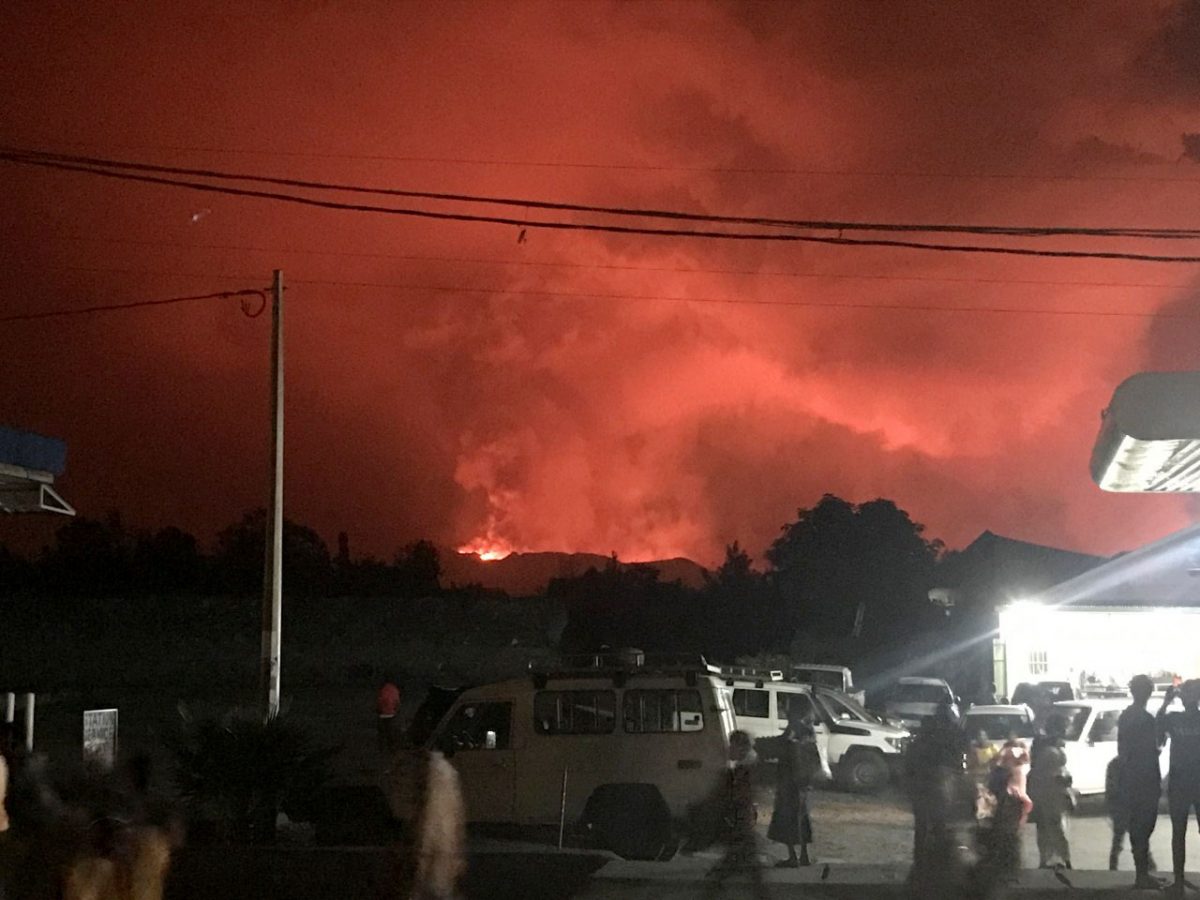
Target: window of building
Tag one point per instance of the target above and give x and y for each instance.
(751, 703)
(656, 711)
(1038, 664)
(574, 712)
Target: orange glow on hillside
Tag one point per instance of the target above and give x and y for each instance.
(485, 549)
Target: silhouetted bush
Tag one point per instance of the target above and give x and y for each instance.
(235, 774)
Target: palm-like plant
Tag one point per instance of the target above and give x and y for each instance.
(236, 773)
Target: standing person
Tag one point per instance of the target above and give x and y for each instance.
(1136, 783)
(1050, 791)
(934, 768)
(799, 767)
(387, 707)
(1000, 839)
(1183, 788)
(1118, 814)
(980, 760)
(735, 802)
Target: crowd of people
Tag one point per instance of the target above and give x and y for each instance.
(1011, 785)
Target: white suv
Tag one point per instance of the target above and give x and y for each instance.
(863, 751)
(1091, 739)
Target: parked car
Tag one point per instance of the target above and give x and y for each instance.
(1091, 739)
(634, 742)
(863, 751)
(1042, 693)
(838, 678)
(999, 722)
(915, 699)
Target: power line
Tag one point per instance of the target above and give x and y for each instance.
(750, 301)
(136, 304)
(404, 211)
(611, 229)
(643, 167)
(600, 295)
(20, 155)
(679, 270)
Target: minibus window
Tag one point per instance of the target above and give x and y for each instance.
(472, 723)
(751, 703)
(658, 711)
(574, 712)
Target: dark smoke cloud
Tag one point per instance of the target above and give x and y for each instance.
(551, 421)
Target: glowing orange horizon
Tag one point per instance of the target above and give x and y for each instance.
(486, 549)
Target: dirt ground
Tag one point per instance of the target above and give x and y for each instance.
(856, 829)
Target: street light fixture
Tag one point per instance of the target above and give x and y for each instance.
(1149, 439)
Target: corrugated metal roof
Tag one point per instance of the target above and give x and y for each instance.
(1163, 573)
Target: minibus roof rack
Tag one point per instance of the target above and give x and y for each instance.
(630, 662)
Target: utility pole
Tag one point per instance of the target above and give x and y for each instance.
(272, 605)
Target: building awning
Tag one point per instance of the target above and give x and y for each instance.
(28, 465)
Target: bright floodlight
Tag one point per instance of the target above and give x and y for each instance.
(1149, 437)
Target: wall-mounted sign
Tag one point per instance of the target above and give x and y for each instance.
(100, 735)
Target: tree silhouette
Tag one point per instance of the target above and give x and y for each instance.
(17, 574)
(239, 560)
(417, 569)
(838, 558)
(623, 606)
(737, 572)
(740, 610)
(89, 558)
(168, 561)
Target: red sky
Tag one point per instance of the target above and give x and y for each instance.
(644, 427)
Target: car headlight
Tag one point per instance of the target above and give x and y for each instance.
(897, 743)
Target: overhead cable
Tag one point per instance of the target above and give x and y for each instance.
(33, 156)
(551, 294)
(618, 267)
(136, 304)
(292, 153)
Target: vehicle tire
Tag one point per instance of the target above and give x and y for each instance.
(863, 771)
(631, 820)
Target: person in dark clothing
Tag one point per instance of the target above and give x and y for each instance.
(934, 768)
(1134, 783)
(798, 768)
(1118, 814)
(387, 708)
(1183, 791)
